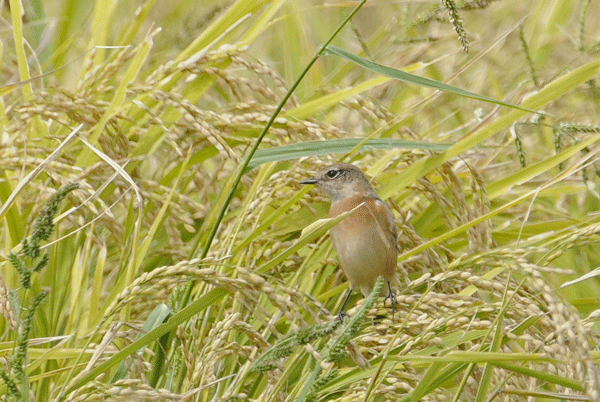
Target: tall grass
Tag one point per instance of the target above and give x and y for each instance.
(174, 273)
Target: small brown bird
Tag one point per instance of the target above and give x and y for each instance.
(365, 241)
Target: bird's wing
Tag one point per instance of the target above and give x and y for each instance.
(386, 224)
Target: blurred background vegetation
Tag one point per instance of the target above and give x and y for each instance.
(151, 107)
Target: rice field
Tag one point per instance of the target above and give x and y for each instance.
(157, 244)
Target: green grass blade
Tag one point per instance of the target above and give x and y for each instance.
(542, 375)
(501, 186)
(343, 146)
(488, 371)
(424, 386)
(312, 107)
(234, 13)
(415, 79)
(14, 222)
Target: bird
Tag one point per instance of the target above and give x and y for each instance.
(366, 240)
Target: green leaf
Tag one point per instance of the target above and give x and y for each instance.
(414, 79)
(424, 386)
(542, 375)
(488, 371)
(315, 148)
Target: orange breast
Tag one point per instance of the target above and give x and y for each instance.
(365, 241)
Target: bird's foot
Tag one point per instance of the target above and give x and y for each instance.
(341, 315)
(392, 297)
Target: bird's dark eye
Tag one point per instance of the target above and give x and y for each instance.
(332, 174)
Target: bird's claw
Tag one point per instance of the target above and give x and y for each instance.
(341, 315)
(392, 297)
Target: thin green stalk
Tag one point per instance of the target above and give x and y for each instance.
(188, 290)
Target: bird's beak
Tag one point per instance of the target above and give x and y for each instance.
(312, 180)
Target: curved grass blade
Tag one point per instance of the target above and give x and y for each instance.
(314, 148)
(415, 79)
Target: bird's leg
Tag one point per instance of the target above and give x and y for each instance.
(392, 298)
(342, 313)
